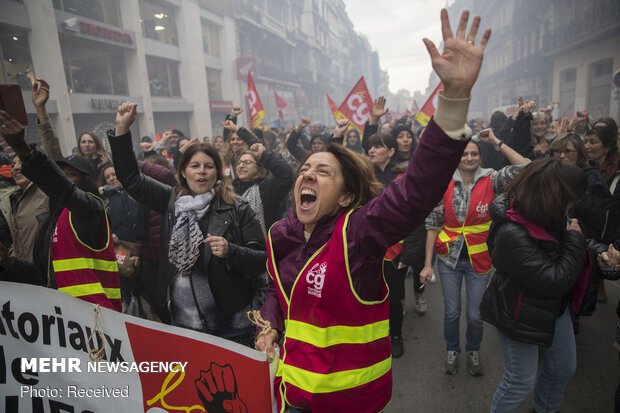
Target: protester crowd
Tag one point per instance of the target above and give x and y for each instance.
(318, 226)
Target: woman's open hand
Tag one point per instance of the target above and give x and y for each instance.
(459, 64)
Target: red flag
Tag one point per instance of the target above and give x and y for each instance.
(335, 111)
(257, 112)
(280, 103)
(414, 108)
(358, 104)
(338, 115)
(429, 107)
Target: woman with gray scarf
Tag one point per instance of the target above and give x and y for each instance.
(216, 246)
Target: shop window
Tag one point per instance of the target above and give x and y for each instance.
(15, 57)
(599, 87)
(90, 70)
(163, 76)
(210, 38)
(214, 84)
(106, 11)
(158, 22)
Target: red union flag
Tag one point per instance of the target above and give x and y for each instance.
(338, 115)
(429, 107)
(257, 112)
(280, 103)
(358, 104)
(414, 107)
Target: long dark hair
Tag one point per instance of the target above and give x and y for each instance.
(224, 189)
(544, 189)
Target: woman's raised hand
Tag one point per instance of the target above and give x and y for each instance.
(487, 135)
(230, 125)
(459, 64)
(125, 117)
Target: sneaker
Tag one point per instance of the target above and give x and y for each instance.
(397, 347)
(420, 303)
(452, 361)
(473, 363)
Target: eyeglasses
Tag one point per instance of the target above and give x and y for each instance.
(245, 163)
(558, 153)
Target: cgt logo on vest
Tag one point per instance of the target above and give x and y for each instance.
(482, 210)
(315, 278)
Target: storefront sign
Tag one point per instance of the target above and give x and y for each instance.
(98, 31)
(46, 337)
(220, 105)
(86, 29)
(97, 103)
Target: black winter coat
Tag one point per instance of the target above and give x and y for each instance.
(122, 212)
(532, 276)
(234, 280)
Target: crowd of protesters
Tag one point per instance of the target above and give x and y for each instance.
(318, 227)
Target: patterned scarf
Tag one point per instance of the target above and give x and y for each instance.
(252, 195)
(184, 247)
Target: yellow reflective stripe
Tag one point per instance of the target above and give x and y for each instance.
(341, 380)
(88, 289)
(476, 249)
(476, 229)
(330, 336)
(82, 263)
(471, 229)
(443, 237)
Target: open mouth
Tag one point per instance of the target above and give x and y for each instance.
(307, 199)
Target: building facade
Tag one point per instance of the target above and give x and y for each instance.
(562, 52)
(185, 62)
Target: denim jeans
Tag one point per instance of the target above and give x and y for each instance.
(475, 285)
(521, 364)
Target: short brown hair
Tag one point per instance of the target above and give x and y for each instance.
(560, 144)
(544, 189)
(224, 189)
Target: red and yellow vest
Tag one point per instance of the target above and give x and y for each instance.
(336, 355)
(84, 272)
(475, 229)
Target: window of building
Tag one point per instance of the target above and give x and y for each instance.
(568, 84)
(163, 76)
(274, 9)
(15, 58)
(210, 38)
(90, 70)
(599, 87)
(214, 84)
(158, 22)
(106, 11)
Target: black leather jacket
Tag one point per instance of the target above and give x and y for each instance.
(233, 281)
(532, 278)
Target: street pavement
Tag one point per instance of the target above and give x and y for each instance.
(420, 385)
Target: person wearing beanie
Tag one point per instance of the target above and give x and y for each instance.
(74, 245)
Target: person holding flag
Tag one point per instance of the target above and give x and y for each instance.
(341, 226)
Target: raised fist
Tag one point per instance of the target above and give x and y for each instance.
(217, 389)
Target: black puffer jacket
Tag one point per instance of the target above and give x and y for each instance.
(234, 280)
(532, 280)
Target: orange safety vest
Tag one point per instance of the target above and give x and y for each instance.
(83, 272)
(475, 229)
(336, 355)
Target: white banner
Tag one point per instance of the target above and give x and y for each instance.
(145, 367)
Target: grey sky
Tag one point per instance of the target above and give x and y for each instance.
(395, 28)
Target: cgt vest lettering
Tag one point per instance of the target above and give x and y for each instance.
(336, 355)
(83, 272)
(475, 229)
